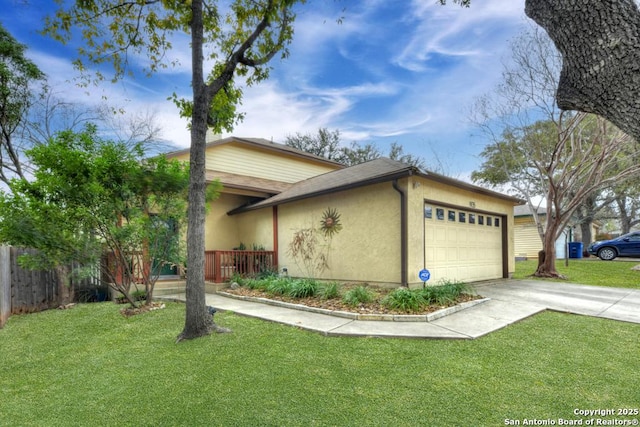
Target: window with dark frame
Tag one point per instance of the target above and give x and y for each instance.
(489, 223)
(440, 214)
(497, 222)
(480, 219)
(472, 218)
(462, 217)
(452, 215)
(428, 212)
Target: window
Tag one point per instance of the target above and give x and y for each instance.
(496, 222)
(489, 221)
(440, 214)
(428, 212)
(480, 219)
(462, 217)
(472, 218)
(452, 215)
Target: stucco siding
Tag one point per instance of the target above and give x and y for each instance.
(238, 159)
(454, 250)
(366, 249)
(221, 230)
(256, 228)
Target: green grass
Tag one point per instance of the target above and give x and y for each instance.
(91, 366)
(591, 271)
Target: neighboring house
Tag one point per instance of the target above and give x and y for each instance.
(383, 220)
(527, 238)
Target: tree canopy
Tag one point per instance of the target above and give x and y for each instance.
(227, 40)
(90, 197)
(17, 78)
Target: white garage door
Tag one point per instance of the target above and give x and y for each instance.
(462, 245)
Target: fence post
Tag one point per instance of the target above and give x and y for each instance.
(5, 284)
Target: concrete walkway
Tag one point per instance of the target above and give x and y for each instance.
(510, 301)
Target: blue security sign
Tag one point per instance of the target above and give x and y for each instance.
(424, 275)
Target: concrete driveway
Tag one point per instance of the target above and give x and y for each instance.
(597, 301)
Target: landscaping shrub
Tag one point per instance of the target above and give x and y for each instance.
(329, 290)
(303, 288)
(358, 295)
(445, 293)
(405, 299)
(279, 286)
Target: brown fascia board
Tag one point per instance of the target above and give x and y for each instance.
(375, 180)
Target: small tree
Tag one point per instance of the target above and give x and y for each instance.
(239, 38)
(91, 196)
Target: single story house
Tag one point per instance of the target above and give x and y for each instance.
(527, 239)
(378, 222)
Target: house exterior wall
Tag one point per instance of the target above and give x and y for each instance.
(527, 241)
(256, 228)
(366, 249)
(242, 160)
(221, 230)
(422, 189)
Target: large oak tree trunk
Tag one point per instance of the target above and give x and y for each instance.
(600, 45)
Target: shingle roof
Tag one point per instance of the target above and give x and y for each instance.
(243, 182)
(372, 172)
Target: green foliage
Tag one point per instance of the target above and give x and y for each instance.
(329, 290)
(445, 293)
(17, 77)
(88, 196)
(358, 295)
(406, 300)
(328, 144)
(279, 286)
(303, 288)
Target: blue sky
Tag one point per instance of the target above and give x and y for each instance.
(403, 71)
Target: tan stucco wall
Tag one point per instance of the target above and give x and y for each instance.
(221, 230)
(367, 247)
(420, 189)
(256, 227)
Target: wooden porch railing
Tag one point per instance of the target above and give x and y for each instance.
(220, 266)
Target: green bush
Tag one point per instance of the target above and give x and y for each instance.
(405, 299)
(303, 288)
(445, 293)
(329, 290)
(358, 295)
(279, 286)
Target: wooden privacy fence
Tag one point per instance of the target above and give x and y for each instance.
(25, 291)
(220, 266)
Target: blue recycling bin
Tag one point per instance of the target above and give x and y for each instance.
(575, 249)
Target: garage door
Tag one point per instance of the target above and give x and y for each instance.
(462, 245)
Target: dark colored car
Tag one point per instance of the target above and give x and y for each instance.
(626, 245)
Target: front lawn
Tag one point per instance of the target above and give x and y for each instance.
(589, 271)
(91, 366)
